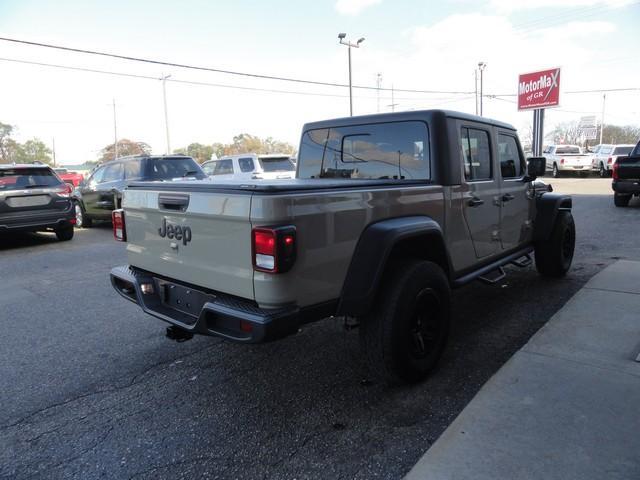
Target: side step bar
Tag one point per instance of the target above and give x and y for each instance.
(513, 258)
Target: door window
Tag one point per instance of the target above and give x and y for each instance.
(97, 175)
(511, 163)
(223, 167)
(112, 173)
(476, 154)
(246, 164)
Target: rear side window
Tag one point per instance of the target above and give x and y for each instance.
(511, 163)
(132, 170)
(476, 154)
(398, 150)
(223, 167)
(25, 178)
(246, 164)
(173, 167)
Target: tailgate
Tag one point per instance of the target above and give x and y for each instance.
(628, 168)
(202, 238)
(579, 160)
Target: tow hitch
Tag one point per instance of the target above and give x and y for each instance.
(178, 334)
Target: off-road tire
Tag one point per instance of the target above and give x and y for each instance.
(621, 200)
(554, 256)
(406, 331)
(65, 234)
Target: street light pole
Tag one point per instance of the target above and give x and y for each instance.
(166, 114)
(341, 37)
(604, 97)
(481, 67)
(379, 84)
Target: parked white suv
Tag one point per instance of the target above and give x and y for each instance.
(250, 166)
(605, 156)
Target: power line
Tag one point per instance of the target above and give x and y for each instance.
(187, 82)
(216, 70)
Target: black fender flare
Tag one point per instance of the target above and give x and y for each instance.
(547, 207)
(372, 253)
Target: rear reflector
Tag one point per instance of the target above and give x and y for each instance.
(274, 249)
(119, 228)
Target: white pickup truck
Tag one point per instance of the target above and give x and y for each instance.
(566, 158)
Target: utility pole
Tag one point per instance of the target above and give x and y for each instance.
(393, 104)
(604, 98)
(53, 142)
(481, 67)
(166, 114)
(379, 84)
(115, 131)
(341, 37)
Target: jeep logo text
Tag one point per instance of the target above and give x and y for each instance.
(175, 231)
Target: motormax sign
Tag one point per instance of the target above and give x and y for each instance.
(539, 89)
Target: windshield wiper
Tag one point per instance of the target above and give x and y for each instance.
(38, 185)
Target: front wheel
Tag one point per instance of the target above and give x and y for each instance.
(555, 172)
(621, 200)
(65, 234)
(554, 256)
(406, 330)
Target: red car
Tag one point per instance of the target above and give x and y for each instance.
(72, 178)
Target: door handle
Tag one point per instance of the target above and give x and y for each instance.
(475, 202)
(507, 197)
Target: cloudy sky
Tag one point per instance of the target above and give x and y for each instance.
(413, 44)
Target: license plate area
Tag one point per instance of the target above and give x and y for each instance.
(184, 299)
(28, 201)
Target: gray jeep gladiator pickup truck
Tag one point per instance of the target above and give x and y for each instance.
(386, 214)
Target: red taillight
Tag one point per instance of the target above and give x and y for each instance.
(119, 228)
(65, 190)
(562, 161)
(274, 249)
(609, 160)
(614, 173)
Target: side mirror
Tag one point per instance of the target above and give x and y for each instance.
(536, 167)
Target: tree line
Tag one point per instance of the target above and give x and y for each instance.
(569, 133)
(33, 150)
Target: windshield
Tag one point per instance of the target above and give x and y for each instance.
(565, 150)
(277, 164)
(173, 167)
(23, 178)
(622, 150)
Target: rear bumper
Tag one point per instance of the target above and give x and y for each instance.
(53, 219)
(626, 186)
(221, 315)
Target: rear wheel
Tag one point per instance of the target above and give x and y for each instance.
(82, 221)
(406, 331)
(65, 233)
(555, 172)
(602, 171)
(621, 200)
(554, 256)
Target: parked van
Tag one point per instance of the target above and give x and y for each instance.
(249, 166)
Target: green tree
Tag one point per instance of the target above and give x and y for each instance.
(201, 153)
(31, 151)
(7, 144)
(125, 147)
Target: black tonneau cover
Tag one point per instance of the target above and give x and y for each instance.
(275, 187)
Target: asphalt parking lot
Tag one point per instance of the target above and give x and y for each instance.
(90, 387)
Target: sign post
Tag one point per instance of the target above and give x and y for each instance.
(537, 91)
